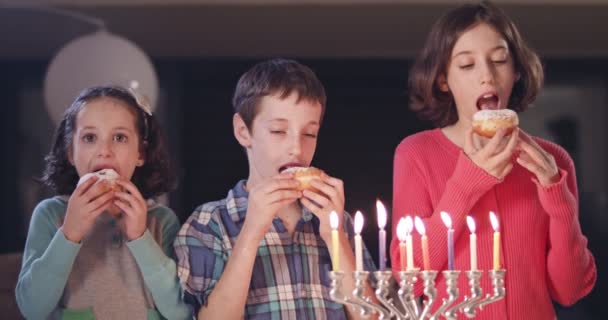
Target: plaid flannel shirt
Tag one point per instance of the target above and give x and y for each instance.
(290, 277)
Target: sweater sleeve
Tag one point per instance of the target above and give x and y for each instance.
(158, 270)
(570, 265)
(411, 196)
(47, 262)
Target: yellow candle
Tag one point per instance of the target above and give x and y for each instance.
(472, 243)
(495, 226)
(425, 242)
(496, 250)
(409, 226)
(358, 242)
(335, 247)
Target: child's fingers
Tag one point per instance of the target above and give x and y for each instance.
(313, 207)
(132, 201)
(280, 184)
(127, 198)
(508, 150)
(322, 201)
(100, 202)
(98, 189)
(96, 212)
(533, 152)
(83, 187)
(130, 187)
(490, 148)
(529, 165)
(126, 209)
(280, 195)
(338, 184)
(328, 190)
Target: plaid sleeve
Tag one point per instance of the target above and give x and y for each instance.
(368, 262)
(201, 255)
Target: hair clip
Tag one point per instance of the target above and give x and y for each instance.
(142, 101)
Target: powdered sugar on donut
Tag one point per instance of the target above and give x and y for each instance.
(503, 114)
(104, 174)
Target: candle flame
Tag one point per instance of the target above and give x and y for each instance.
(419, 226)
(333, 220)
(446, 219)
(471, 224)
(358, 222)
(381, 210)
(494, 221)
(409, 224)
(401, 230)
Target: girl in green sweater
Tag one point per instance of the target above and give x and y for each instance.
(100, 250)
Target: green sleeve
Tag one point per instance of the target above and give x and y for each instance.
(158, 270)
(47, 262)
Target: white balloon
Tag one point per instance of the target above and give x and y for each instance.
(100, 58)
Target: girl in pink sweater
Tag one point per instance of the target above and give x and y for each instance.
(474, 58)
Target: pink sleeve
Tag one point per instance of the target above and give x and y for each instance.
(411, 196)
(570, 265)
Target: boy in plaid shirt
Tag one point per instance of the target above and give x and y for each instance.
(262, 253)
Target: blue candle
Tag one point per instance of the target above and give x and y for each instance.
(448, 223)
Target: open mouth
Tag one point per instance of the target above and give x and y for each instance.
(488, 101)
(102, 167)
(289, 165)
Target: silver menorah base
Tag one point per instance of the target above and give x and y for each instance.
(407, 307)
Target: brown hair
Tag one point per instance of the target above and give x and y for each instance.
(280, 77)
(153, 178)
(439, 107)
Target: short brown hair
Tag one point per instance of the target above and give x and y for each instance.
(280, 77)
(439, 107)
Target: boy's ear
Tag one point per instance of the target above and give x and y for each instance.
(241, 132)
(442, 83)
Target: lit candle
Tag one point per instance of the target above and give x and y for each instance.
(448, 223)
(381, 210)
(401, 234)
(409, 226)
(358, 246)
(425, 243)
(494, 221)
(335, 248)
(473, 242)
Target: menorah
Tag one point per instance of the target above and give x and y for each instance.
(407, 307)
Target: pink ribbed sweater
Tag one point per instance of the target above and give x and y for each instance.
(542, 246)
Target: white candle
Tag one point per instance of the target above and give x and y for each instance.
(401, 234)
(335, 248)
(425, 243)
(496, 227)
(448, 223)
(409, 226)
(473, 242)
(358, 244)
(381, 211)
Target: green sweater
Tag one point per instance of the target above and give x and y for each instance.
(104, 276)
